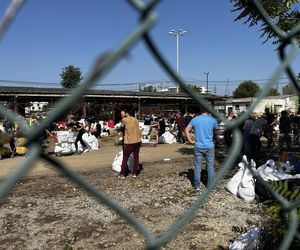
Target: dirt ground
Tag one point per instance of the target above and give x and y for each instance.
(47, 211)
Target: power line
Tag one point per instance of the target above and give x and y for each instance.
(136, 83)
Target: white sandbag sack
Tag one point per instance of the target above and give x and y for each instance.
(62, 136)
(269, 171)
(247, 241)
(67, 151)
(91, 141)
(167, 137)
(246, 188)
(233, 184)
(58, 148)
(145, 129)
(145, 140)
(116, 165)
(72, 137)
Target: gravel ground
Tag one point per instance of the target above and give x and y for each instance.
(51, 212)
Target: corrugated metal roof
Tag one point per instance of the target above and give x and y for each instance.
(91, 92)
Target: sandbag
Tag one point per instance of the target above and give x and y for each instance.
(167, 137)
(247, 241)
(233, 184)
(116, 165)
(242, 184)
(91, 141)
(269, 171)
(246, 188)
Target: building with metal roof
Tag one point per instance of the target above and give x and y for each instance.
(103, 103)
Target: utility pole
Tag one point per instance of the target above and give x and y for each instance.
(206, 73)
(177, 33)
(226, 86)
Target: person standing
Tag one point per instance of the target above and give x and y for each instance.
(247, 126)
(161, 126)
(79, 127)
(268, 132)
(297, 129)
(180, 123)
(285, 128)
(148, 120)
(204, 127)
(132, 143)
(70, 120)
(256, 132)
(7, 125)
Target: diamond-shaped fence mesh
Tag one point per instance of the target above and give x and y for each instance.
(100, 68)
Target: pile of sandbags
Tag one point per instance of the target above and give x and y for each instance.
(243, 183)
(66, 142)
(269, 171)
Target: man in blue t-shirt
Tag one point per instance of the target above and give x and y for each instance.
(204, 127)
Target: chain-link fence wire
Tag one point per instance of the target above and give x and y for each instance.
(102, 66)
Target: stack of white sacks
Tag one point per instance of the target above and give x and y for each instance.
(242, 184)
(66, 142)
(166, 137)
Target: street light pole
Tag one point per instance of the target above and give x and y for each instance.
(206, 73)
(177, 33)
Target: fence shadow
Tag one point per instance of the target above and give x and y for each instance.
(189, 174)
(186, 151)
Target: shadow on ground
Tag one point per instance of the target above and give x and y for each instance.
(189, 174)
(186, 151)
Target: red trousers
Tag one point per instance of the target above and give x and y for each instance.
(128, 149)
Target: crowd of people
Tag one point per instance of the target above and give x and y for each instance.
(11, 132)
(200, 130)
(280, 131)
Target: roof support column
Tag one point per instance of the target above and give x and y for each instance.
(15, 104)
(139, 109)
(84, 111)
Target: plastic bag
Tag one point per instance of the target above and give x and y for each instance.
(116, 165)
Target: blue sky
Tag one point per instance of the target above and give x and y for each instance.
(51, 34)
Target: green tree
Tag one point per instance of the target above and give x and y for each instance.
(273, 92)
(193, 87)
(283, 13)
(246, 89)
(149, 88)
(70, 76)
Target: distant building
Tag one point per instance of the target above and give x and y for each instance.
(168, 89)
(35, 107)
(202, 90)
(275, 103)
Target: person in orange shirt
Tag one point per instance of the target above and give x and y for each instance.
(132, 143)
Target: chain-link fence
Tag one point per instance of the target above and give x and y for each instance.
(102, 66)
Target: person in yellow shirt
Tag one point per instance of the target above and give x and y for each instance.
(132, 143)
